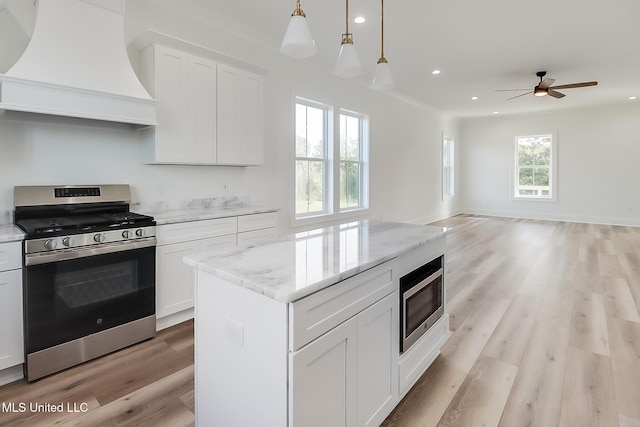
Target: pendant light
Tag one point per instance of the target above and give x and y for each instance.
(348, 64)
(382, 78)
(298, 41)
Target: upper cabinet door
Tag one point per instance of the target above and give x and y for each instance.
(201, 123)
(240, 116)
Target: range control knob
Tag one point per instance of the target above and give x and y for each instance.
(99, 238)
(67, 241)
(140, 232)
(50, 244)
(126, 234)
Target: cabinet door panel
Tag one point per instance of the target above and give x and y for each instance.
(202, 104)
(170, 67)
(174, 281)
(11, 332)
(323, 380)
(378, 361)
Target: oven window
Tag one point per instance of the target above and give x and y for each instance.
(96, 284)
(421, 305)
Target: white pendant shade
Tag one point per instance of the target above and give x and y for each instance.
(298, 41)
(348, 64)
(382, 78)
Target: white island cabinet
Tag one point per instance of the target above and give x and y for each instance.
(304, 331)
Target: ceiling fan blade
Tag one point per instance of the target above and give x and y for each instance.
(555, 94)
(546, 83)
(518, 96)
(572, 85)
(509, 90)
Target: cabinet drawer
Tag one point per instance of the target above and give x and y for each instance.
(257, 221)
(196, 230)
(264, 235)
(316, 314)
(10, 256)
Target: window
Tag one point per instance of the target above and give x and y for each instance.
(534, 167)
(311, 158)
(351, 160)
(448, 171)
(331, 161)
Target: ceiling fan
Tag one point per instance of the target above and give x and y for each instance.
(544, 87)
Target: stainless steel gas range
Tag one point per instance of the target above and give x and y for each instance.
(89, 274)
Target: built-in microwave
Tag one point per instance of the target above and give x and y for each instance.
(421, 301)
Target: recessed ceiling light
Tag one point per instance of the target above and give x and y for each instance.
(359, 19)
(633, 97)
(496, 112)
(473, 98)
(435, 72)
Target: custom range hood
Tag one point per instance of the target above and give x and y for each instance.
(76, 65)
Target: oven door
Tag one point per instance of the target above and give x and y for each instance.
(72, 294)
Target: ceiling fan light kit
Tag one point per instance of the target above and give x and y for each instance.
(298, 41)
(348, 64)
(544, 87)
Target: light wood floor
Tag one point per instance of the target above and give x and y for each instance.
(546, 332)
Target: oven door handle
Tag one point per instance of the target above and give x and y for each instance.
(69, 254)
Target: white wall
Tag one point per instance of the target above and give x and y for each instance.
(405, 140)
(598, 172)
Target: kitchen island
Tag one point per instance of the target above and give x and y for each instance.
(304, 331)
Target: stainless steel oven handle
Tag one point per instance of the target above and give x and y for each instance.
(68, 254)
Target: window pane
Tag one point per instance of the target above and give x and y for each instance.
(526, 176)
(309, 187)
(541, 177)
(350, 138)
(349, 185)
(310, 132)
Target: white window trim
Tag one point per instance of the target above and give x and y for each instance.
(332, 213)
(553, 170)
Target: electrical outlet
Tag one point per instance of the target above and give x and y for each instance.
(234, 331)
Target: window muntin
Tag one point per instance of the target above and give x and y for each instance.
(534, 163)
(448, 170)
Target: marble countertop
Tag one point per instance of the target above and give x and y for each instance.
(297, 265)
(10, 233)
(200, 213)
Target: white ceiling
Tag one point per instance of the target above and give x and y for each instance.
(479, 45)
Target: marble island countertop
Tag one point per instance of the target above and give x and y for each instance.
(298, 265)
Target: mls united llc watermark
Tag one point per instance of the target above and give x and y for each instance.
(32, 407)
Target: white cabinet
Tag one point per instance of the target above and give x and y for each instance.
(11, 332)
(175, 279)
(174, 282)
(185, 87)
(377, 361)
(257, 228)
(322, 379)
(240, 116)
(208, 112)
(353, 369)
